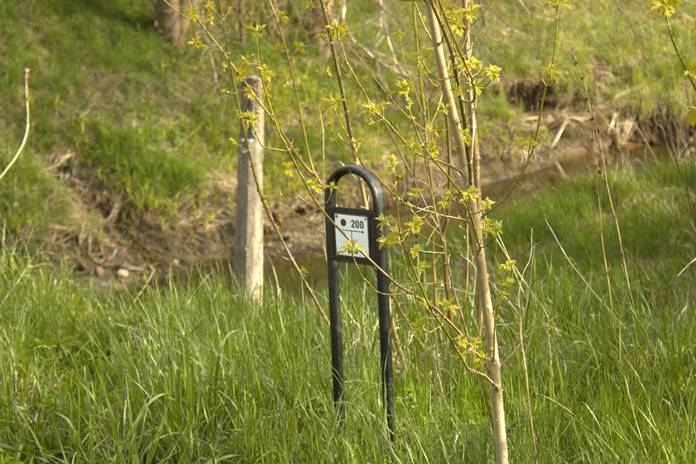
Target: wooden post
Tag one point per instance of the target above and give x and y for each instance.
(248, 249)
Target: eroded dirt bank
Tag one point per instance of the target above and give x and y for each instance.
(128, 248)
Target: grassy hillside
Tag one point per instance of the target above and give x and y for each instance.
(622, 49)
(108, 89)
(149, 126)
(190, 372)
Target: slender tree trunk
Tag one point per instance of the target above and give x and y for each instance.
(485, 304)
(484, 301)
(474, 157)
(170, 20)
(241, 30)
(316, 25)
(446, 88)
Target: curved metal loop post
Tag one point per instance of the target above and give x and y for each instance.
(379, 257)
(370, 179)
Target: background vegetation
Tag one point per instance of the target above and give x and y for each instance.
(184, 369)
(102, 77)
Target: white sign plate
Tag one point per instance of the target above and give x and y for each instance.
(353, 227)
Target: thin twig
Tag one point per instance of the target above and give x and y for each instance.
(27, 126)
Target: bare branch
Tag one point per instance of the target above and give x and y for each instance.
(27, 126)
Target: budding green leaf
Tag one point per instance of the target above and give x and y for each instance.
(560, 3)
(314, 185)
(256, 30)
(415, 249)
(492, 72)
(492, 226)
(337, 30)
(551, 74)
(692, 115)
(666, 8)
(351, 247)
(414, 226)
(470, 194)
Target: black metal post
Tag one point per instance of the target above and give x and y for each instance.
(336, 339)
(379, 256)
(385, 338)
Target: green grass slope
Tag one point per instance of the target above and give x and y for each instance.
(621, 49)
(149, 125)
(141, 116)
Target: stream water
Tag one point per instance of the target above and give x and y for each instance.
(280, 273)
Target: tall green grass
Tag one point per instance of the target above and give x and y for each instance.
(189, 371)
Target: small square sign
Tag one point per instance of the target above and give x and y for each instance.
(356, 228)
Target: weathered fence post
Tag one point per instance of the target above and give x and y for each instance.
(248, 248)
